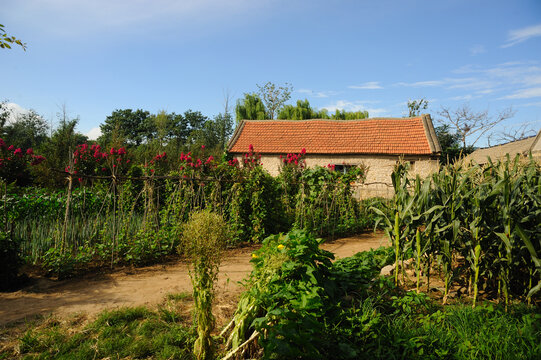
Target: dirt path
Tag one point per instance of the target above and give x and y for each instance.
(144, 286)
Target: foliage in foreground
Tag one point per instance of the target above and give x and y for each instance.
(300, 305)
(340, 310)
(135, 333)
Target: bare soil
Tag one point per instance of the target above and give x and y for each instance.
(146, 286)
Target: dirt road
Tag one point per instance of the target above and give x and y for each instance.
(144, 286)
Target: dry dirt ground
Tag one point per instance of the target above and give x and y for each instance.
(146, 286)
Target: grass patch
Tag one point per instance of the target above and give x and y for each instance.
(182, 296)
(135, 333)
(458, 332)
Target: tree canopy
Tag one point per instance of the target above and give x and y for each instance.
(274, 97)
(416, 106)
(250, 108)
(29, 130)
(304, 111)
(471, 125)
(131, 126)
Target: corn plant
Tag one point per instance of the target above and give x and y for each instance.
(399, 227)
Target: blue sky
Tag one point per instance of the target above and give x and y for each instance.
(101, 55)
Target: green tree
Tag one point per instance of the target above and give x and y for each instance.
(416, 106)
(5, 113)
(6, 41)
(224, 128)
(58, 148)
(349, 115)
(450, 144)
(29, 130)
(250, 108)
(274, 97)
(131, 125)
(303, 111)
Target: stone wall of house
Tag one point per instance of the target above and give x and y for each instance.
(378, 178)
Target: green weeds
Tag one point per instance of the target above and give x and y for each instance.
(135, 333)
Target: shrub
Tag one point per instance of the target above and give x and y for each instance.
(10, 262)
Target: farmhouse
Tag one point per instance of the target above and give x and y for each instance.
(377, 143)
(523, 147)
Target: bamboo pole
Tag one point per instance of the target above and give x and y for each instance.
(68, 203)
(113, 242)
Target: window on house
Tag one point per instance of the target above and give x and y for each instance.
(343, 168)
(412, 165)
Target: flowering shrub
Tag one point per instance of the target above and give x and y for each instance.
(294, 160)
(118, 161)
(15, 162)
(251, 159)
(158, 163)
(88, 160)
(150, 210)
(91, 160)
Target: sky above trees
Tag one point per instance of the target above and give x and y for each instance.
(98, 56)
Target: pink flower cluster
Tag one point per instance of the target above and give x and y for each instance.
(89, 159)
(37, 159)
(251, 159)
(295, 159)
(159, 157)
(10, 153)
(187, 162)
(330, 166)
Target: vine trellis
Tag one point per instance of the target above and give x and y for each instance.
(138, 219)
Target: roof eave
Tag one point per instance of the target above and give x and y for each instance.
(430, 134)
(235, 136)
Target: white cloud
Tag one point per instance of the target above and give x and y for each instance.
(15, 111)
(520, 35)
(318, 94)
(355, 106)
(524, 94)
(481, 81)
(462, 98)
(477, 49)
(537, 103)
(375, 112)
(76, 18)
(429, 83)
(371, 85)
(93, 133)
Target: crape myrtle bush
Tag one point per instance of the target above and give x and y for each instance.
(15, 169)
(15, 164)
(135, 217)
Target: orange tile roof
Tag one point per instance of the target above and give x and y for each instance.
(408, 136)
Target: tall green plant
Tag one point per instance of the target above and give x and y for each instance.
(203, 238)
